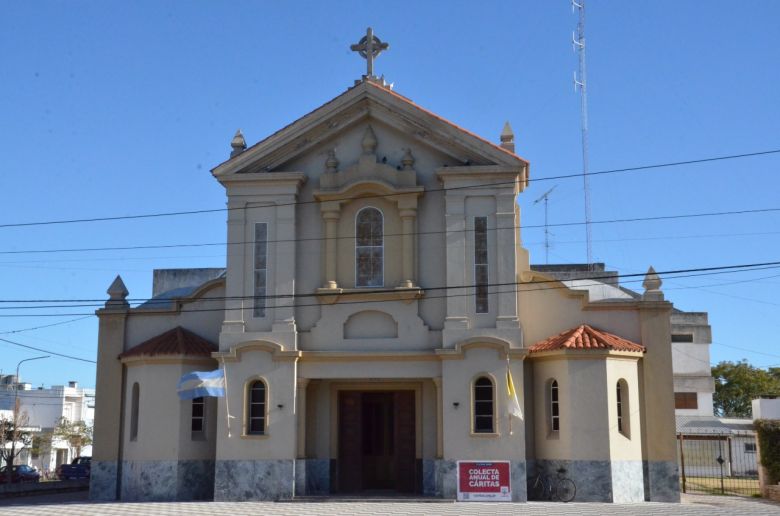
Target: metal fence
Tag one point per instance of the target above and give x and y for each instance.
(718, 463)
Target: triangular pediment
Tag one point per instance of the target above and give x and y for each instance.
(368, 101)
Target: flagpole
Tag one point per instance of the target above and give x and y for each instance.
(227, 396)
(508, 401)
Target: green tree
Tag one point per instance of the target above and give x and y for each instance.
(15, 436)
(77, 434)
(737, 383)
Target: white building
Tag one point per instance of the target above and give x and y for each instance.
(44, 407)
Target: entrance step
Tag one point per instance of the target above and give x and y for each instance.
(368, 499)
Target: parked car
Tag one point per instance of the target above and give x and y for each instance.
(78, 468)
(21, 473)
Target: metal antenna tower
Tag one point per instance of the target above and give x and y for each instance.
(578, 40)
(546, 196)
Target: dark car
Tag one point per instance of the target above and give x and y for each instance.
(78, 468)
(21, 473)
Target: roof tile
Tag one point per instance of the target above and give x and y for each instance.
(586, 337)
(177, 341)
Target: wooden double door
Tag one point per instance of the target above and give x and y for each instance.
(377, 442)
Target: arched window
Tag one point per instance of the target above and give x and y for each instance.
(623, 413)
(134, 412)
(256, 408)
(484, 406)
(555, 413)
(369, 248)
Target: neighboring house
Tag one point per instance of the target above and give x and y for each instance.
(365, 324)
(704, 439)
(43, 408)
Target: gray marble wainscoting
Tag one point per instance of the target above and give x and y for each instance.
(238, 480)
(317, 477)
(102, 480)
(627, 481)
(195, 480)
(593, 478)
(517, 470)
(149, 480)
(167, 480)
(662, 481)
(446, 477)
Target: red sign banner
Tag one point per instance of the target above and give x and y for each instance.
(483, 481)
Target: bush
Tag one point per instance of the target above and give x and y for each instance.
(768, 431)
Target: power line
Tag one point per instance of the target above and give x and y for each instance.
(431, 190)
(416, 233)
(9, 332)
(680, 273)
(47, 351)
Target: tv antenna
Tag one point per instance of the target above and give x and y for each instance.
(581, 82)
(545, 197)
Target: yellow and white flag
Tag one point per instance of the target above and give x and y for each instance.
(513, 405)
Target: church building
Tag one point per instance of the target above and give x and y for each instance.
(375, 300)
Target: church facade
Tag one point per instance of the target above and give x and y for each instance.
(375, 296)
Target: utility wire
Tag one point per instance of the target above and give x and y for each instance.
(9, 332)
(431, 190)
(46, 351)
(725, 269)
(387, 235)
(704, 271)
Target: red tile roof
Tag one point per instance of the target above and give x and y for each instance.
(177, 341)
(586, 337)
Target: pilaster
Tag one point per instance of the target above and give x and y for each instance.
(455, 220)
(506, 275)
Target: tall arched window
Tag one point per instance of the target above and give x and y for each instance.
(623, 413)
(555, 414)
(256, 408)
(484, 406)
(369, 248)
(134, 412)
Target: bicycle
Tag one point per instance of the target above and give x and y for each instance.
(546, 488)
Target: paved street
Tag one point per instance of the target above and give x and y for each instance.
(76, 504)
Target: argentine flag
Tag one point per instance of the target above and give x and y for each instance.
(202, 383)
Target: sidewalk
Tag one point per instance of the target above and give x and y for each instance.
(75, 504)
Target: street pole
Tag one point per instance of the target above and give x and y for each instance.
(15, 433)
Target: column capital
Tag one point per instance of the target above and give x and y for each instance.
(330, 209)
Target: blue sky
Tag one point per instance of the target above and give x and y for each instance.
(118, 108)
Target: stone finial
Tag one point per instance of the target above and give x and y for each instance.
(369, 141)
(652, 285)
(238, 144)
(408, 160)
(331, 164)
(117, 293)
(508, 138)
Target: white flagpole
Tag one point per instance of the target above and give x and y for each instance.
(508, 401)
(227, 397)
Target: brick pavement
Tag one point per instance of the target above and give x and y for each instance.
(693, 505)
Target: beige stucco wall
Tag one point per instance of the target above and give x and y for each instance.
(625, 445)
(546, 309)
(202, 316)
(279, 442)
(164, 421)
(457, 381)
(584, 414)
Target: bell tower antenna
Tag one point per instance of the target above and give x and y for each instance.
(581, 83)
(546, 196)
